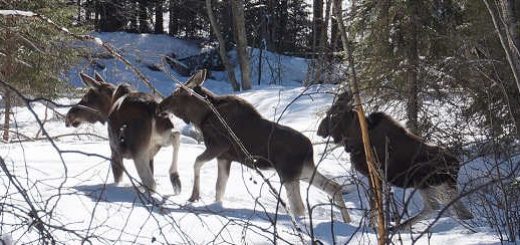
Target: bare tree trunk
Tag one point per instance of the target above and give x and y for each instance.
(272, 25)
(158, 27)
(222, 47)
(283, 38)
(7, 114)
(383, 7)
(7, 71)
(413, 103)
(374, 176)
(511, 51)
(317, 23)
(133, 17)
(97, 10)
(320, 59)
(511, 21)
(335, 37)
(173, 25)
(88, 7)
(243, 57)
(78, 18)
(143, 17)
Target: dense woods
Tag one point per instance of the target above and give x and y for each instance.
(406, 51)
(449, 70)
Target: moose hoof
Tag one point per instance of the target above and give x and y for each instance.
(176, 183)
(194, 198)
(400, 228)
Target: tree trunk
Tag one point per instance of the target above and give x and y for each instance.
(511, 21)
(158, 28)
(97, 10)
(383, 7)
(173, 24)
(78, 18)
(7, 114)
(133, 17)
(272, 25)
(7, 71)
(282, 27)
(243, 57)
(320, 59)
(335, 38)
(317, 23)
(222, 49)
(143, 17)
(88, 6)
(506, 40)
(227, 24)
(374, 176)
(413, 104)
(111, 17)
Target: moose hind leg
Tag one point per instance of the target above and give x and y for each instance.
(151, 166)
(223, 175)
(429, 196)
(142, 164)
(174, 173)
(295, 199)
(457, 205)
(330, 187)
(116, 162)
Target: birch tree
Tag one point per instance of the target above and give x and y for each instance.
(237, 6)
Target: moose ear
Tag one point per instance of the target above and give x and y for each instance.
(99, 78)
(89, 81)
(197, 79)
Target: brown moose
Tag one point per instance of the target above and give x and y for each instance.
(410, 163)
(134, 130)
(286, 150)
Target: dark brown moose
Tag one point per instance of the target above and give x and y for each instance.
(134, 130)
(410, 163)
(289, 152)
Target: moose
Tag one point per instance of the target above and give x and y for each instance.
(274, 146)
(407, 161)
(134, 130)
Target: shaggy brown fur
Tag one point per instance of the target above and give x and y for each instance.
(134, 130)
(410, 163)
(276, 146)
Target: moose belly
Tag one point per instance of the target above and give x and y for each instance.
(405, 175)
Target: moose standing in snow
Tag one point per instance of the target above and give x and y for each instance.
(134, 130)
(407, 161)
(286, 150)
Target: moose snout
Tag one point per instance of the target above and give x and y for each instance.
(323, 128)
(71, 119)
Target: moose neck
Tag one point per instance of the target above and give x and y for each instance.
(354, 131)
(197, 112)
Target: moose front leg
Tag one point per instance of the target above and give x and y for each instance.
(174, 172)
(203, 158)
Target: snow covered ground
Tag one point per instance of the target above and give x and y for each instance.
(79, 187)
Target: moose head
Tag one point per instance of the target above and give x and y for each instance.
(341, 121)
(95, 105)
(181, 102)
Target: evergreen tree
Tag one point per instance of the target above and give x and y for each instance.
(33, 53)
(402, 42)
(279, 26)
